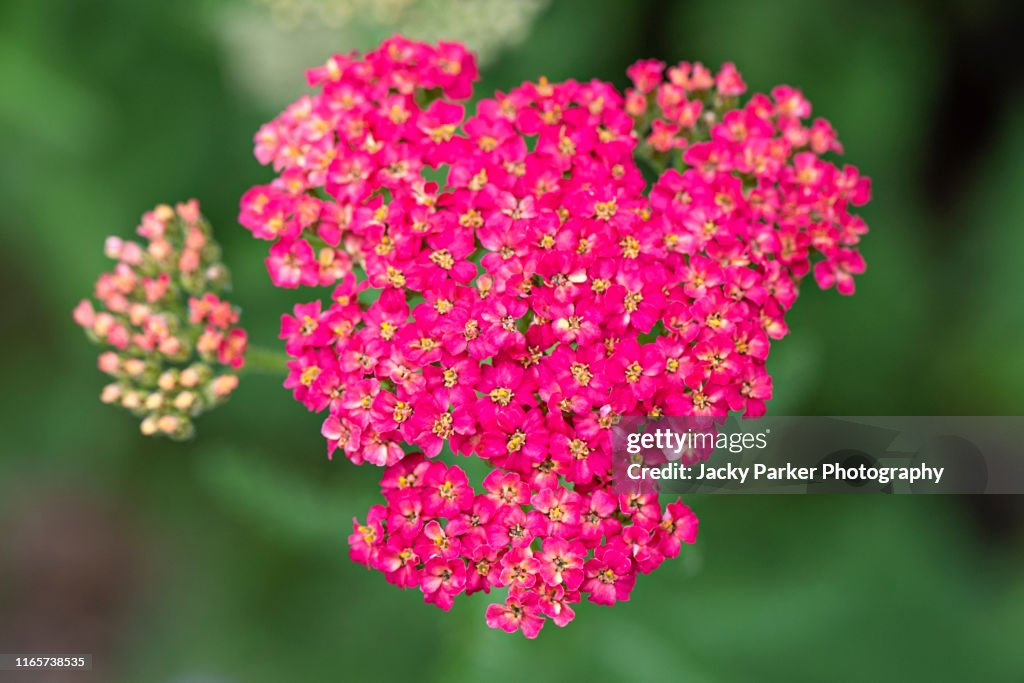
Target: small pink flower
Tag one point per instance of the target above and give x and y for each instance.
(442, 581)
(678, 525)
(520, 612)
(292, 264)
(646, 74)
(728, 81)
(447, 491)
(839, 271)
(519, 568)
(561, 562)
(609, 577)
(84, 314)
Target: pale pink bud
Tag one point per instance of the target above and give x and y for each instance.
(171, 346)
(148, 426)
(154, 401)
(111, 393)
(189, 377)
(84, 313)
(157, 325)
(102, 324)
(124, 278)
(636, 103)
(188, 211)
(485, 283)
(216, 273)
(138, 314)
(195, 239)
(184, 400)
(144, 342)
(224, 385)
(209, 341)
(131, 400)
(131, 253)
(112, 247)
(223, 315)
(169, 424)
(159, 249)
(155, 289)
(109, 362)
(117, 302)
(105, 286)
(189, 261)
(167, 380)
(118, 337)
(134, 366)
(151, 227)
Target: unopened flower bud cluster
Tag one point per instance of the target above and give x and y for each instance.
(171, 342)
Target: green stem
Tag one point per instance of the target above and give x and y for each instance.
(265, 361)
(656, 161)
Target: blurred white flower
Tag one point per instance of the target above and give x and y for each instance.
(269, 43)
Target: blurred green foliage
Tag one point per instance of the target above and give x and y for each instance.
(111, 106)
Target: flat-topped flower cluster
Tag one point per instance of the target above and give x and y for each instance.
(508, 285)
(172, 342)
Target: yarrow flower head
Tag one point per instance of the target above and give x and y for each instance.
(172, 343)
(509, 283)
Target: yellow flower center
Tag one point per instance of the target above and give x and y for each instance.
(401, 412)
(309, 375)
(501, 395)
(605, 211)
(632, 301)
(395, 277)
(477, 182)
(633, 372)
(471, 219)
(442, 133)
(581, 373)
(579, 449)
(443, 258)
(516, 441)
(630, 247)
(443, 426)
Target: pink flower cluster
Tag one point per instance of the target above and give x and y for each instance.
(437, 534)
(172, 340)
(769, 147)
(508, 286)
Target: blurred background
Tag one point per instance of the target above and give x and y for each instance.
(224, 560)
